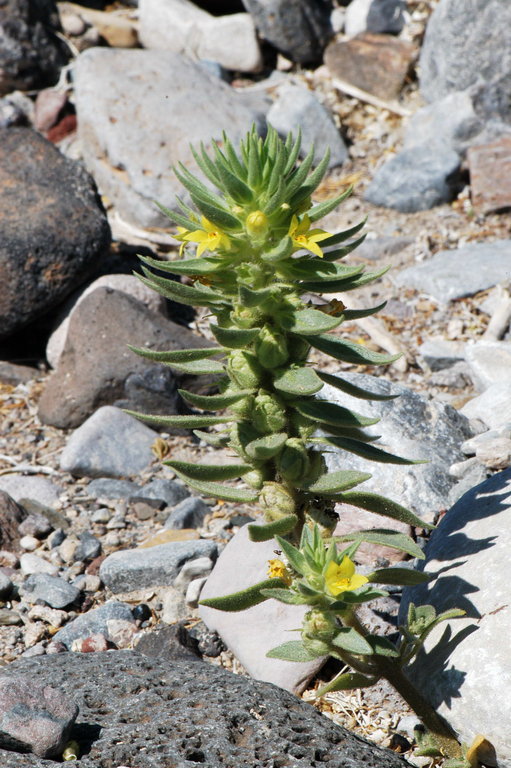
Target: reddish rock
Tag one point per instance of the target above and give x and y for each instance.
(91, 644)
(48, 106)
(11, 515)
(490, 175)
(377, 64)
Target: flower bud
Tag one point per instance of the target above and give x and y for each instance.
(242, 407)
(244, 369)
(319, 626)
(255, 478)
(276, 501)
(303, 425)
(294, 460)
(257, 224)
(269, 413)
(317, 647)
(271, 348)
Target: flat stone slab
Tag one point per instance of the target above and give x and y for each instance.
(490, 175)
(148, 713)
(461, 272)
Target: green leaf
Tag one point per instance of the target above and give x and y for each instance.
(348, 639)
(213, 402)
(310, 321)
(216, 439)
(380, 505)
(357, 434)
(352, 389)
(200, 367)
(348, 351)
(371, 452)
(334, 482)
(404, 576)
(234, 338)
(219, 491)
(298, 381)
(208, 471)
(346, 681)
(293, 650)
(195, 266)
(176, 355)
(386, 538)
(270, 530)
(382, 647)
(250, 298)
(361, 595)
(245, 598)
(340, 253)
(264, 448)
(340, 237)
(286, 596)
(176, 217)
(344, 284)
(233, 185)
(315, 268)
(331, 413)
(294, 557)
(323, 209)
(356, 314)
(216, 215)
(183, 294)
(183, 422)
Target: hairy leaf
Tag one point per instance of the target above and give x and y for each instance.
(346, 681)
(293, 650)
(298, 381)
(348, 351)
(331, 413)
(216, 439)
(264, 448)
(213, 402)
(385, 537)
(208, 471)
(380, 505)
(310, 321)
(371, 452)
(404, 576)
(348, 639)
(176, 355)
(245, 598)
(352, 389)
(219, 491)
(334, 482)
(234, 338)
(184, 422)
(270, 530)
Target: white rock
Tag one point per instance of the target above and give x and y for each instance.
(30, 563)
(460, 468)
(51, 616)
(201, 566)
(495, 453)
(493, 406)
(126, 283)
(355, 19)
(174, 607)
(490, 362)
(29, 543)
(193, 592)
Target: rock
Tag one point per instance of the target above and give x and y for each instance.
(9, 618)
(116, 690)
(48, 105)
(461, 468)
(170, 535)
(5, 586)
(54, 228)
(379, 16)
(410, 426)
(493, 407)
(109, 443)
(96, 367)
(11, 515)
(169, 643)
(92, 644)
(416, 179)
(375, 248)
(55, 518)
(194, 591)
(35, 525)
(463, 677)
(13, 374)
(490, 169)
(296, 107)
(377, 64)
(264, 626)
(456, 377)
(300, 29)
(39, 489)
(33, 717)
(125, 283)
(174, 608)
(439, 353)
(470, 446)
(118, 30)
(31, 54)
(461, 272)
(201, 566)
(29, 543)
(180, 26)
(89, 547)
(109, 488)
(444, 66)
(171, 492)
(490, 362)
(49, 615)
(495, 454)
(130, 143)
(52, 590)
(451, 121)
(30, 563)
(94, 622)
(151, 567)
(11, 114)
(355, 519)
(189, 513)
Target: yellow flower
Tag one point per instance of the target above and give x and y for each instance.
(342, 578)
(304, 237)
(210, 237)
(278, 570)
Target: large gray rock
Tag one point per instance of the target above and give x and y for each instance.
(493, 407)
(96, 621)
(490, 362)
(410, 426)
(183, 27)
(157, 566)
(300, 29)
(37, 488)
(461, 272)
(416, 179)
(149, 713)
(482, 27)
(296, 107)
(138, 112)
(54, 230)
(451, 121)
(466, 676)
(110, 443)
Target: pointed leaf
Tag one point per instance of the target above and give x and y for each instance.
(356, 314)
(286, 596)
(213, 402)
(348, 639)
(371, 452)
(216, 439)
(200, 367)
(403, 576)
(176, 355)
(219, 491)
(387, 538)
(352, 389)
(264, 448)
(322, 209)
(298, 381)
(331, 413)
(310, 321)
(216, 215)
(380, 505)
(234, 338)
(382, 647)
(340, 253)
(294, 557)
(340, 237)
(293, 650)
(183, 422)
(176, 217)
(346, 681)
(183, 294)
(270, 530)
(208, 471)
(348, 351)
(195, 266)
(344, 284)
(250, 298)
(245, 598)
(334, 482)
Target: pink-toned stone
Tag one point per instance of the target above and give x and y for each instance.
(121, 632)
(377, 64)
(48, 105)
(91, 644)
(490, 175)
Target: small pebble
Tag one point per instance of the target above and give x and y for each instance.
(29, 543)
(5, 586)
(101, 515)
(117, 522)
(56, 538)
(35, 525)
(141, 612)
(51, 616)
(30, 563)
(72, 24)
(8, 559)
(91, 644)
(68, 548)
(193, 592)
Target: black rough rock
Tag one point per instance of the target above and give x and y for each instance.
(54, 229)
(147, 713)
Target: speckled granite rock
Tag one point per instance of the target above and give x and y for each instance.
(147, 713)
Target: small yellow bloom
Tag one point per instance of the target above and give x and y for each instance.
(342, 578)
(210, 237)
(278, 570)
(257, 224)
(304, 237)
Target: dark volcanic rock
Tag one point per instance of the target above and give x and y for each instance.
(147, 713)
(30, 53)
(53, 227)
